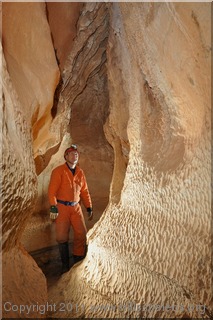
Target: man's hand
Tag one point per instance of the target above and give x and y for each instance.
(53, 212)
(90, 213)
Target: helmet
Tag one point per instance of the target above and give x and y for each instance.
(72, 148)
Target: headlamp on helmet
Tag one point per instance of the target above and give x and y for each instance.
(72, 148)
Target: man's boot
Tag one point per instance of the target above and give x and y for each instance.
(77, 258)
(64, 253)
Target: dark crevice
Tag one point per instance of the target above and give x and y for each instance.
(47, 15)
(59, 86)
(90, 37)
(56, 98)
(48, 259)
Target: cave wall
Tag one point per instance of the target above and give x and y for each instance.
(151, 248)
(20, 275)
(31, 64)
(152, 244)
(81, 97)
(62, 19)
(37, 110)
(30, 75)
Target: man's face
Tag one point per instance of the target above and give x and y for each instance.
(72, 157)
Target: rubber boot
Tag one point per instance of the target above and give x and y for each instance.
(64, 253)
(77, 258)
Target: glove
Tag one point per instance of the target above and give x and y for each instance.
(53, 212)
(90, 213)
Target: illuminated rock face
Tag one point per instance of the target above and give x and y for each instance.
(31, 107)
(30, 75)
(80, 112)
(149, 254)
(31, 64)
(21, 276)
(151, 247)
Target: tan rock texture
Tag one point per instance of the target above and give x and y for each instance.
(32, 65)
(80, 112)
(35, 125)
(151, 248)
(63, 18)
(149, 255)
(21, 277)
(24, 286)
(29, 77)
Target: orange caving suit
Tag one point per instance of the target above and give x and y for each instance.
(68, 187)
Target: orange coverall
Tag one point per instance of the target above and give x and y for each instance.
(68, 187)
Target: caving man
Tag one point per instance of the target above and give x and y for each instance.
(66, 188)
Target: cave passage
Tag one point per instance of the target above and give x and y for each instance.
(129, 84)
(83, 88)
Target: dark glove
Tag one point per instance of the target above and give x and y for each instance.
(53, 212)
(90, 213)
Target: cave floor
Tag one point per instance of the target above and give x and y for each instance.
(49, 261)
